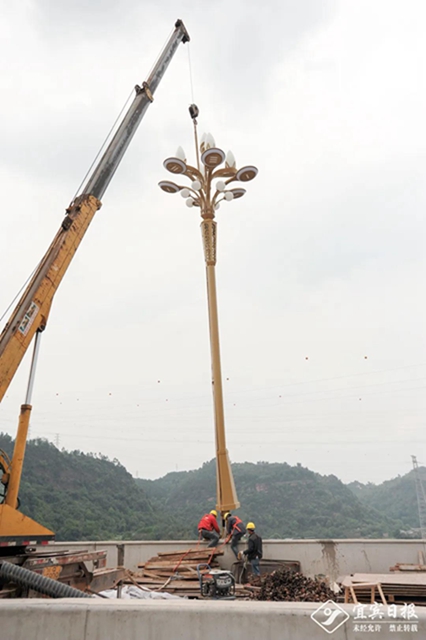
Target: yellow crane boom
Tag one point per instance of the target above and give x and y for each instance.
(31, 313)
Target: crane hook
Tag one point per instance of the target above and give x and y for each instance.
(194, 111)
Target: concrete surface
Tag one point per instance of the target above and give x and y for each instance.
(317, 557)
(75, 619)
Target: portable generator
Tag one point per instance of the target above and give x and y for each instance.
(216, 583)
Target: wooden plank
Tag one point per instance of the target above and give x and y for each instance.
(408, 567)
(151, 574)
(183, 562)
(390, 578)
(202, 552)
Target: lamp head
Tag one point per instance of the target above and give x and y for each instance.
(245, 174)
(169, 187)
(174, 165)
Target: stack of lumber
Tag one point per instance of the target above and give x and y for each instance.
(403, 566)
(176, 572)
(397, 587)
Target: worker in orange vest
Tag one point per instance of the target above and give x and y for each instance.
(235, 530)
(208, 528)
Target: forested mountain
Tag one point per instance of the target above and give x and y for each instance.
(285, 501)
(88, 497)
(397, 497)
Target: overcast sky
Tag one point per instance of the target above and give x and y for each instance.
(321, 266)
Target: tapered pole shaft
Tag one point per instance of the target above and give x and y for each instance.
(226, 494)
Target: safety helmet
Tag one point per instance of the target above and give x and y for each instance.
(250, 525)
(227, 514)
(214, 513)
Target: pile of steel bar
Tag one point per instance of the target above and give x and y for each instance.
(290, 586)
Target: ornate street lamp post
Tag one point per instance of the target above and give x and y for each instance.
(207, 197)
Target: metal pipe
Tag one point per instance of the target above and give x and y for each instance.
(22, 434)
(33, 366)
(14, 483)
(104, 171)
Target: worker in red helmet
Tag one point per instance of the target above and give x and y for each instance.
(208, 528)
(235, 529)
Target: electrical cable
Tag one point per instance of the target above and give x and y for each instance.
(350, 375)
(206, 398)
(285, 401)
(20, 291)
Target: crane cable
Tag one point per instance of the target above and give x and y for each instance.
(191, 83)
(109, 135)
(20, 291)
(107, 138)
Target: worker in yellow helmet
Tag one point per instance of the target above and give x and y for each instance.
(235, 530)
(208, 529)
(254, 548)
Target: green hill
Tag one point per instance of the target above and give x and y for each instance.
(396, 497)
(88, 497)
(285, 501)
(85, 497)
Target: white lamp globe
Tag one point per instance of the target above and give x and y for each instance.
(229, 196)
(230, 160)
(196, 185)
(190, 202)
(185, 193)
(220, 186)
(180, 153)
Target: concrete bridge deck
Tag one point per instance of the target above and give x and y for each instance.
(72, 619)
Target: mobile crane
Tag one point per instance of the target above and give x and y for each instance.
(30, 316)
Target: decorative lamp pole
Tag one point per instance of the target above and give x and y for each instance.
(207, 197)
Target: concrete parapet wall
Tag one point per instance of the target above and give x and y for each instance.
(75, 619)
(327, 557)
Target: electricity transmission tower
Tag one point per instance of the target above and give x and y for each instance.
(421, 497)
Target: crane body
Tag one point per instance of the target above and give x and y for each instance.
(30, 316)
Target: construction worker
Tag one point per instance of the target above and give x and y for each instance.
(208, 528)
(235, 530)
(254, 548)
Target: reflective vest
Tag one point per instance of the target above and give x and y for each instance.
(235, 525)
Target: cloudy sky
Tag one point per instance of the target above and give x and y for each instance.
(321, 266)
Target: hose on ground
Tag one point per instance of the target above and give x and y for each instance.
(41, 584)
